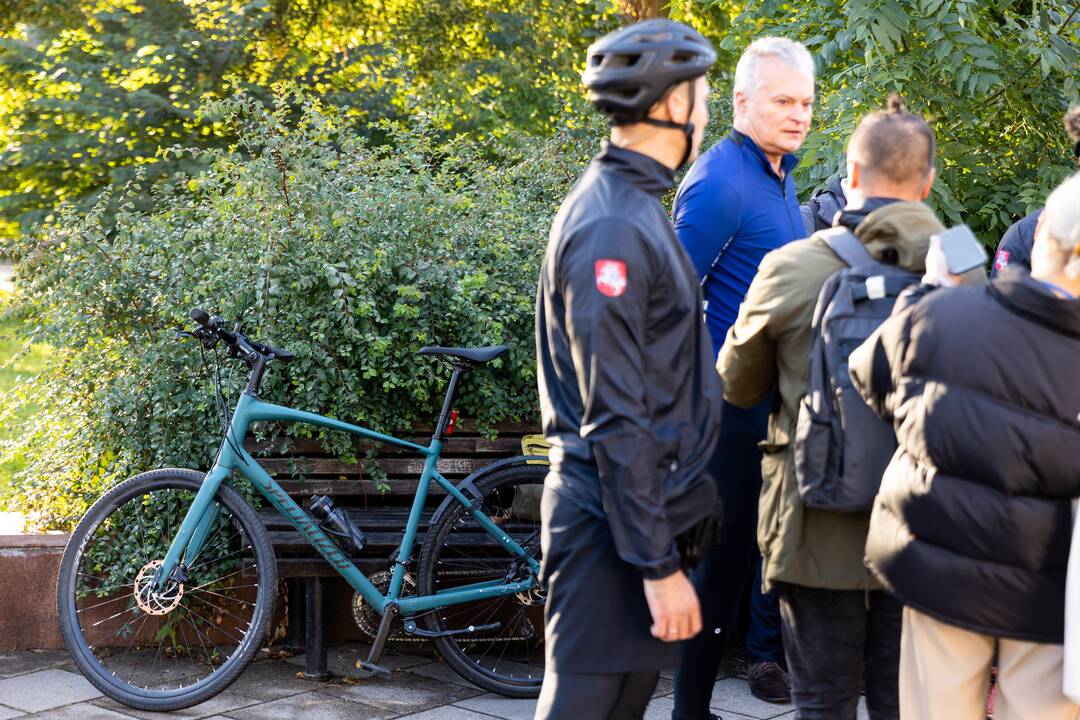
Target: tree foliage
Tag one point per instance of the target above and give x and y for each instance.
(90, 91)
(994, 77)
(350, 255)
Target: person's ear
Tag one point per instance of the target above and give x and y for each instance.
(741, 102)
(678, 104)
(854, 174)
(929, 183)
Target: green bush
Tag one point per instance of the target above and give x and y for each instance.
(351, 256)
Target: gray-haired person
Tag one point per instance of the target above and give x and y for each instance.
(737, 204)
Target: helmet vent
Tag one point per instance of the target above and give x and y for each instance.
(623, 60)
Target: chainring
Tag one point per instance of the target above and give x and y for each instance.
(367, 619)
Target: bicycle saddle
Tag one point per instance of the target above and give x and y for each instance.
(474, 356)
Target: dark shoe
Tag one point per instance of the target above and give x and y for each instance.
(769, 682)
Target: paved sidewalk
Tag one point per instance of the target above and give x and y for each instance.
(46, 685)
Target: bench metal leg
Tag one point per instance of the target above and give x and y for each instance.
(315, 643)
(297, 620)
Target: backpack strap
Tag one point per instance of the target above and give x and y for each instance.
(847, 247)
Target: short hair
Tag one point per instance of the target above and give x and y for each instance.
(789, 52)
(893, 144)
(1062, 218)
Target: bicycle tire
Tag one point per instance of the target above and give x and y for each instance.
(83, 652)
(439, 557)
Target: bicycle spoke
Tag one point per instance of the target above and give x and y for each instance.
(171, 637)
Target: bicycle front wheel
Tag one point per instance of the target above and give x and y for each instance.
(507, 656)
(170, 648)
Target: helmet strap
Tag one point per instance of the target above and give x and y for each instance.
(687, 128)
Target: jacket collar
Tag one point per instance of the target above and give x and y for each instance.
(787, 162)
(852, 218)
(1023, 295)
(641, 171)
(894, 231)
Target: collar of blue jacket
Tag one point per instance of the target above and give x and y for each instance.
(731, 209)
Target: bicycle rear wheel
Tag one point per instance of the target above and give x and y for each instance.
(457, 551)
(169, 649)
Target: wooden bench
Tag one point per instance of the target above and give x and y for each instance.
(304, 467)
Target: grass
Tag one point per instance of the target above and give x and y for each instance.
(16, 366)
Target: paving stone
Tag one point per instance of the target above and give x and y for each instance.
(81, 711)
(733, 695)
(20, 663)
(271, 680)
(660, 709)
(447, 712)
(310, 706)
(342, 658)
(401, 693)
(229, 700)
(45, 689)
(8, 713)
(439, 670)
(663, 687)
(500, 707)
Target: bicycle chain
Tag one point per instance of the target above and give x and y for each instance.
(367, 620)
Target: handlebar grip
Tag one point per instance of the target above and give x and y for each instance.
(200, 316)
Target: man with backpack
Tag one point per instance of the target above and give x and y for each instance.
(841, 632)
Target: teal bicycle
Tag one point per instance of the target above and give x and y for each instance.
(167, 587)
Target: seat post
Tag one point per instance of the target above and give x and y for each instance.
(451, 392)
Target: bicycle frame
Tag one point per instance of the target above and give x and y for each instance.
(232, 457)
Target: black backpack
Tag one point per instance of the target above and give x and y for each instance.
(841, 447)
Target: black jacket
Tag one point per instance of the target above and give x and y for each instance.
(972, 522)
(629, 398)
(819, 212)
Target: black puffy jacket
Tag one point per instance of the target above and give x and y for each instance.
(629, 398)
(972, 522)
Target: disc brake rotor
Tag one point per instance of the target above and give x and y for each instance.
(149, 600)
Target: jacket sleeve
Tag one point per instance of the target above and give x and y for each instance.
(876, 365)
(605, 276)
(747, 360)
(706, 217)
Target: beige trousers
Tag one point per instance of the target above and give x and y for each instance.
(945, 674)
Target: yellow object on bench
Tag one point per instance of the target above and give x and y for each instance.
(535, 445)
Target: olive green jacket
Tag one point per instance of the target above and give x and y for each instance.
(769, 347)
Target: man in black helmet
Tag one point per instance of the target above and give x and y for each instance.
(629, 398)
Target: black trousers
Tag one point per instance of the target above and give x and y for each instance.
(607, 696)
(837, 642)
(719, 580)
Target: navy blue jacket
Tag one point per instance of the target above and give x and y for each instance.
(1015, 247)
(731, 209)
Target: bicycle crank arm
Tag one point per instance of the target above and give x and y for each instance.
(412, 629)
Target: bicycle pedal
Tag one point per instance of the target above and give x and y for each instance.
(362, 670)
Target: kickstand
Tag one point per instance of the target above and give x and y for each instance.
(370, 667)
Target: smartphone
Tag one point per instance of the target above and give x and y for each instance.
(962, 249)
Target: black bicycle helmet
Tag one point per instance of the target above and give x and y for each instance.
(628, 70)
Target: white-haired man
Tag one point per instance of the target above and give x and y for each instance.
(737, 203)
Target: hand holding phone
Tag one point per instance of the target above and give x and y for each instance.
(962, 250)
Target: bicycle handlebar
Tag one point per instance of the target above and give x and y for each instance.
(213, 328)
